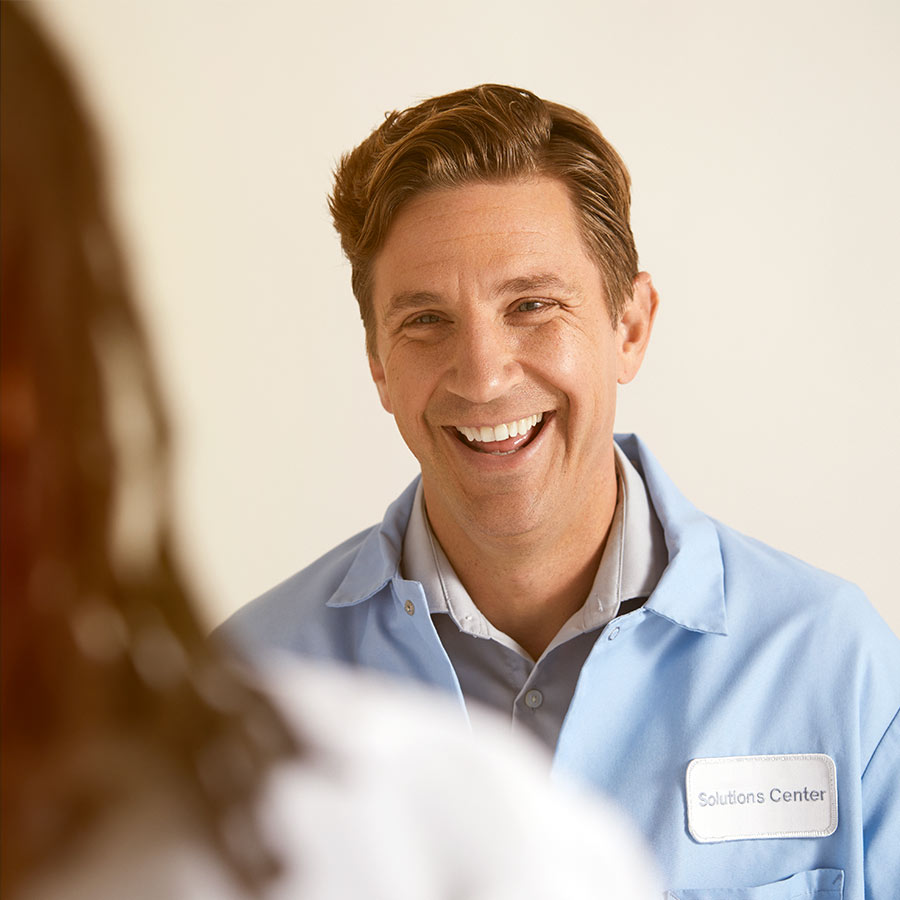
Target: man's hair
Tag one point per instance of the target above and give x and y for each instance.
(489, 133)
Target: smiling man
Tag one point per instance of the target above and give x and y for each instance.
(547, 570)
(495, 351)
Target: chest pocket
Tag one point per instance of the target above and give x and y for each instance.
(817, 884)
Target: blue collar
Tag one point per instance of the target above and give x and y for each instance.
(691, 592)
(377, 559)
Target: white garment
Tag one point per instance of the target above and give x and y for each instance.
(395, 800)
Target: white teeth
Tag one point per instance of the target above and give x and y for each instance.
(488, 434)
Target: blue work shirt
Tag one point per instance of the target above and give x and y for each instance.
(740, 651)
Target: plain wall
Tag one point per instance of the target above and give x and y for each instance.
(763, 142)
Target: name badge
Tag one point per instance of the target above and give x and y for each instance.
(739, 798)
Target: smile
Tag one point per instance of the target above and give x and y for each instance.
(507, 437)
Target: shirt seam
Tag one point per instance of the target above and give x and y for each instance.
(881, 740)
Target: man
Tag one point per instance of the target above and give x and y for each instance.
(728, 695)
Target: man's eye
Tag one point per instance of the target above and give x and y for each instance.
(424, 319)
(531, 305)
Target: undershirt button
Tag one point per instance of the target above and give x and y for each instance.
(533, 699)
(410, 608)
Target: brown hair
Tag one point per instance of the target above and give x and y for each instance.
(487, 133)
(100, 653)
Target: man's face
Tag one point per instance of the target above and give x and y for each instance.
(497, 357)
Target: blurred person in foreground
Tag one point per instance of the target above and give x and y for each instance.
(138, 761)
(742, 706)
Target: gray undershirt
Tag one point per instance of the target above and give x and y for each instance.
(492, 668)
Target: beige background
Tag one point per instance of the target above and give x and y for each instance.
(763, 142)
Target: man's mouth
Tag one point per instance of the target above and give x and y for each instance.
(502, 439)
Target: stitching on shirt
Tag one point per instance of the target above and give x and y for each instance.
(621, 494)
(881, 740)
(620, 479)
(437, 564)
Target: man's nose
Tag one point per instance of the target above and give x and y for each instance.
(485, 364)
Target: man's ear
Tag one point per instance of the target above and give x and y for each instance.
(377, 370)
(635, 325)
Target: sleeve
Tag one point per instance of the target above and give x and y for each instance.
(881, 816)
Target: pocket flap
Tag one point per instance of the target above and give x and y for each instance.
(817, 884)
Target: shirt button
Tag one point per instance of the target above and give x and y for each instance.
(613, 634)
(410, 608)
(533, 699)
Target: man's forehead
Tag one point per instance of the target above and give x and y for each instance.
(480, 201)
(511, 236)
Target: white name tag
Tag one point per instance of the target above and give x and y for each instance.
(738, 798)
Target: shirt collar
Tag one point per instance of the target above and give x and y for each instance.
(377, 559)
(691, 591)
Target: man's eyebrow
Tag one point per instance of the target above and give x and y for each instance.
(407, 300)
(528, 284)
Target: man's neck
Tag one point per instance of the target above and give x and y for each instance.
(528, 586)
